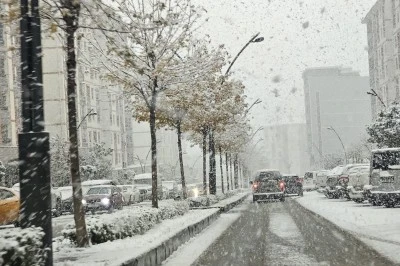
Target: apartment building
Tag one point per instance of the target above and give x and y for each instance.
(383, 31)
(9, 93)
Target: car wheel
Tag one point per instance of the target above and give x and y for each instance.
(121, 206)
(111, 208)
(282, 199)
(254, 199)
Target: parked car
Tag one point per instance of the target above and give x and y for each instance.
(310, 181)
(322, 176)
(173, 191)
(9, 206)
(293, 185)
(331, 181)
(55, 199)
(66, 199)
(144, 192)
(384, 187)
(103, 198)
(130, 193)
(358, 178)
(145, 181)
(267, 185)
(337, 181)
(86, 185)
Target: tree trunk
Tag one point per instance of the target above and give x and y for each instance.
(205, 161)
(227, 174)
(179, 130)
(212, 175)
(153, 131)
(236, 171)
(79, 213)
(222, 170)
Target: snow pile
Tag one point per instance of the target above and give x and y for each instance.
(22, 247)
(208, 200)
(130, 222)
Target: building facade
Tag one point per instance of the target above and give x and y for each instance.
(167, 150)
(334, 97)
(286, 148)
(10, 93)
(383, 31)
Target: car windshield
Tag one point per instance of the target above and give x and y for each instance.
(276, 123)
(99, 190)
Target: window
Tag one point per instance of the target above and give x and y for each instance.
(90, 136)
(5, 194)
(88, 92)
(93, 92)
(94, 137)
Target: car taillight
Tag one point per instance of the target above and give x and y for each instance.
(255, 186)
(344, 179)
(282, 185)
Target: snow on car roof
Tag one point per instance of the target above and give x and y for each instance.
(143, 176)
(96, 182)
(268, 170)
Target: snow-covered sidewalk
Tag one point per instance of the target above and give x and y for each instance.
(120, 251)
(153, 246)
(378, 227)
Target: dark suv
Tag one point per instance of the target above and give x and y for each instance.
(103, 198)
(293, 185)
(268, 185)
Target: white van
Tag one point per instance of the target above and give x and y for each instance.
(310, 181)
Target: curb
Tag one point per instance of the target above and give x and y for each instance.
(161, 252)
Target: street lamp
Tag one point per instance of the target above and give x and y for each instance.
(373, 93)
(90, 113)
(253, 39)
(33, 140)
(344, 150)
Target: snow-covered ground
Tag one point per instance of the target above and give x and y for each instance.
(119, 251)
(187, 254)
(378, 227)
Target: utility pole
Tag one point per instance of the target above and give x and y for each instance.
(34, 145)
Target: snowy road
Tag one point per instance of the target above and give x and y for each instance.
(282, 234)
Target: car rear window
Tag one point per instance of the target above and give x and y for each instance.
(265, 176)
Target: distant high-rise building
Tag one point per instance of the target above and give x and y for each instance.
(334, 97)
(383, 29)
(286, 148)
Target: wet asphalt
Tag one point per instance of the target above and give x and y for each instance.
(284, 233)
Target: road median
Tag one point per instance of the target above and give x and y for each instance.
(152, 247)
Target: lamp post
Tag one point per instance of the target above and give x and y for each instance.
(344, 150)
(34, 144)
(373, 93)
(212, 173)
(90, 113)
(253, 39)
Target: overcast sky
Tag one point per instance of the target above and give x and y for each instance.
(298, 34)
